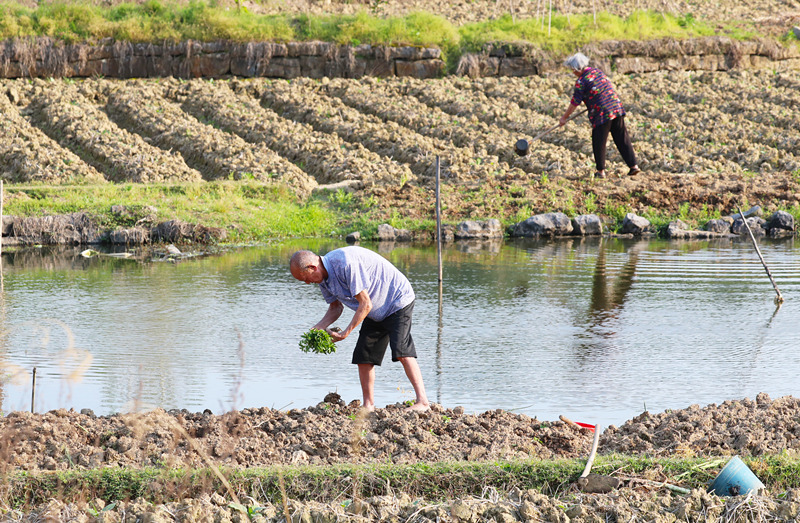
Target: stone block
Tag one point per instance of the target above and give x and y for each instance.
(379, 67)
(517, 66)
(388, 233)
(313, 66)
(213, 65)
(420, 68)
(781, 220)
(472, 229)
(587, 224)
(315, 48)
(549, 224)
(132, 236)
(718, 226)
(281, 67)
(633, 224)
(635, 64)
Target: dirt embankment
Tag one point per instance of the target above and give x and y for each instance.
(333, 432)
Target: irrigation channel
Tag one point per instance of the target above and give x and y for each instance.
(595, 329)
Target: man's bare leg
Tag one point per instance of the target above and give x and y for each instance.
(414, 375)
(366, 374)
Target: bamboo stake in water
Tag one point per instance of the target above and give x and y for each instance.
(440, 326)
(438, 218)
(33, 390)
(779, 297)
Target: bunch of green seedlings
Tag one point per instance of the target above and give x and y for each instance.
(317, 340)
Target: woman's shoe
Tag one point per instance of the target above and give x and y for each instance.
(599, 174)
(634, 171)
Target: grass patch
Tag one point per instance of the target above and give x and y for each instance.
(430, 481)
(562, 34)
(157, 21)
(250, 211)
(151, 21)
(416, 29)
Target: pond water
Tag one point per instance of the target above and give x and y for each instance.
(597, 329)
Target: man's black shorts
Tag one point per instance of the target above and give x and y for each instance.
(394, 330)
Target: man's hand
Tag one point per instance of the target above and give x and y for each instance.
(364, 306)
(336, 334)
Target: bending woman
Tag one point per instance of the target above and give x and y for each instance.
(605, 113)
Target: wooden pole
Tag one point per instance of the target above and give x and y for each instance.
(537, 12)
(440, 326)
(33, 390)
(438, 217)
(1, 217)
(2, 281)
(779, 297)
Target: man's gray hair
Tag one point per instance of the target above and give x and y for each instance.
(578, 61)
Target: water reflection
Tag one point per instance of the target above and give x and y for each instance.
(590, 328)
(609, 291)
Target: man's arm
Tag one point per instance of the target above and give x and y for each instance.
(333, 313)
(364, 306)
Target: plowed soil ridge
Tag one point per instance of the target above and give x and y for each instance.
(333, 432)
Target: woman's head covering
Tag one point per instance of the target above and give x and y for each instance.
(578, 62)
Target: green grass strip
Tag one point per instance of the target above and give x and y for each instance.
(430, 481)
(157, 21)
(251, 211)
(255, 212)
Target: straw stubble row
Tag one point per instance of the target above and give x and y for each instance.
(143, 108)
(75, 122)
(308, 102)
(482, 147)
(325, 156)
(29, 155)
(501, 122)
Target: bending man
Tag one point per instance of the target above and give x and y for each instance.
(383, 301)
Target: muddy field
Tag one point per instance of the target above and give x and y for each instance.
(706, 141)
(334, 432)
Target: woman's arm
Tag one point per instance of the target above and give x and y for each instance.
(563, 120)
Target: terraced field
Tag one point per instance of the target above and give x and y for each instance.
(704, 139)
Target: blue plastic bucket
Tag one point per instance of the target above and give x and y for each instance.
(735, 479)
